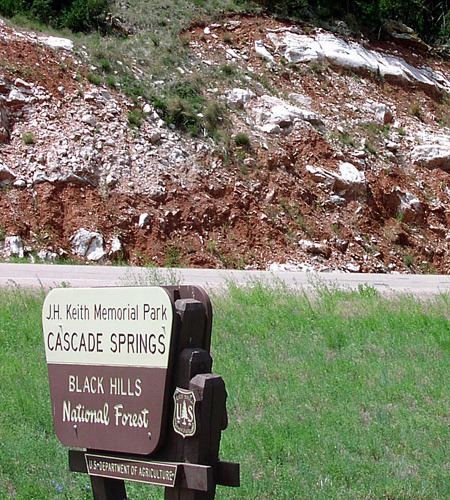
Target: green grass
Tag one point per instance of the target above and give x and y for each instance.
(331, 395)
(32, 463)
(343, 396)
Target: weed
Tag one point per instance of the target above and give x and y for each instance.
(134, 88)
(213, 114)
(211, 246)
(135, 117)
(318, 67)
(105, 66)
(348, 140)
(150, 276)
(142, 259)
(401, 131)
(94, 79)
(110, 81)
(182, 114)
(243, 168)
(228, 39)
(385, 130)
(242, 140)
(408, 260)
(154, 39)
(416, 110)
(28, 138)
(228, 69)
(184, 105)
(370, 148)
(427, 268)
(173, 255)
(304, 226)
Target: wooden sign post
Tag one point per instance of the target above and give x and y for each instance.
(131, 383)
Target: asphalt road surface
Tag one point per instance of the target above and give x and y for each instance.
(49, 276)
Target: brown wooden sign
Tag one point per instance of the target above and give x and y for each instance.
(108, 352)
(130, 381)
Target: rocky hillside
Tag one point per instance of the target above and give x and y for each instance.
(337, 157)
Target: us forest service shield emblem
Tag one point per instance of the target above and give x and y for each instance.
(184, 421)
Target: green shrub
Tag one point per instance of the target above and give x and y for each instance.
(228, 69)
(242, 140)
(85, 16)
(10, 8)
(182, 114)
(105, 66)
(77, 15)
(430, 19)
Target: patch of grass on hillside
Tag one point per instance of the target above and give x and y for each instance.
(140, 48)
(331, 395)
(154, 63)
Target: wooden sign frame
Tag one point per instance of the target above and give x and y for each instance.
(186, 458)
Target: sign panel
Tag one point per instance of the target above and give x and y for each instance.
(108, 352)
(157, 473)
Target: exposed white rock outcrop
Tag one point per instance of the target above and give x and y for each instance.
(410, 203)
(262, 51)
(14, 246)
(274, 115)
(315, 248)
(56, 42)
(115, 247)
(351, 181)
(405, 205)
(237, 98)
(404, 34)
(382, 113)
(47, 256)
(348, 182)
(6, 175)
(296, 47)
(319, 174)
(434, 154)
(144, 220)
(88, 244)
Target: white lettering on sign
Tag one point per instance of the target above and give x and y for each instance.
(120, 326)
(119, 386)
(130, 419)
(91, 385)
(80, 414)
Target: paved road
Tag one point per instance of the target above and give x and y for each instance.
(36, 275)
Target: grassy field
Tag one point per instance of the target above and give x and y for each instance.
(340, 395)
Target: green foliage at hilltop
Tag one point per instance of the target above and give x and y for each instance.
(77, 15)
(429, 18)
